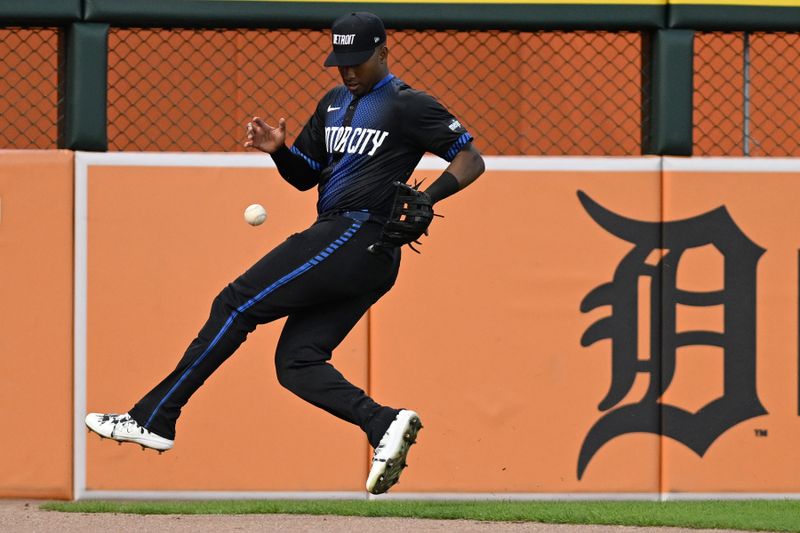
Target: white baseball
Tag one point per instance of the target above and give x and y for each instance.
(255, 214)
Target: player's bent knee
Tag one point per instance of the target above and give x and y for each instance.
(225, 302)
(295, 367)
(290, 377)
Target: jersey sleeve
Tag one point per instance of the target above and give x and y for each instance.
(433, 128)
(310, 144)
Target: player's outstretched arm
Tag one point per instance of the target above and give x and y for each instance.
(465, 168)
(272, 140)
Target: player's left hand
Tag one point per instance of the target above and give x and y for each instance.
(412, 213)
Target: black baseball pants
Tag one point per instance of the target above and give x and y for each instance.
(323, 279)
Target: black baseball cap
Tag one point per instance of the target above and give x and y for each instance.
(355, 37)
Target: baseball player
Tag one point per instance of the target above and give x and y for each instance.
(358, 149)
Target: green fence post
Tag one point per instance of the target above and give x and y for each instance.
(671, 90)
(85, 97)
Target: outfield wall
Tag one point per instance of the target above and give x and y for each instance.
(557, 339)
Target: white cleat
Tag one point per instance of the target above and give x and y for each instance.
(123, 428)
(389, 458)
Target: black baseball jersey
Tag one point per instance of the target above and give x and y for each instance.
(362, 144)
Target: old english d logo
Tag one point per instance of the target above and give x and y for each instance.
(739, 401)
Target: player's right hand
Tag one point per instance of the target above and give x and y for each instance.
(264, 137)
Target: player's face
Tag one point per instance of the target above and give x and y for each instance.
(360, 78)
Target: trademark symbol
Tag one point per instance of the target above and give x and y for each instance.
(761, 433)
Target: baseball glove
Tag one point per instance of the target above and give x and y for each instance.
(412, 213)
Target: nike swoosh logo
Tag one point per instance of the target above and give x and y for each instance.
(332, 108)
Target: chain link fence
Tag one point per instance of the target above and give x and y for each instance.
(194, 90)
(542, 93)
(747, 94)
(29, 95)
(519, 93)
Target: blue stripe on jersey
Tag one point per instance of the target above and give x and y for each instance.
(313, 164)
(317, 259)
(383, 82)
(457, 146)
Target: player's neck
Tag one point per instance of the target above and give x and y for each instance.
(379, 82)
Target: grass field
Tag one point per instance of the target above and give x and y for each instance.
(758, 515)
